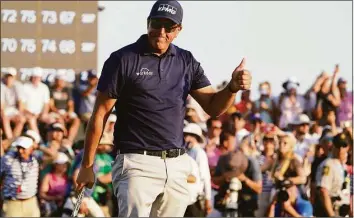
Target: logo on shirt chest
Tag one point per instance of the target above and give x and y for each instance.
(144, 72)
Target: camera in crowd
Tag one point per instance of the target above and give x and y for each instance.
(281, 187)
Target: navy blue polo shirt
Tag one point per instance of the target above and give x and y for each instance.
(151, 93)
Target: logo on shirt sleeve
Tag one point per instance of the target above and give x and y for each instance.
(144, 72)
(325, 171)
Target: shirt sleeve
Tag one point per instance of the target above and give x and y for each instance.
(111, 79)
(324, 176)
(199, 79)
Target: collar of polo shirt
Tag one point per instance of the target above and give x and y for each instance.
(146, 49)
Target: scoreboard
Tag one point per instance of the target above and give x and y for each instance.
(53, 35)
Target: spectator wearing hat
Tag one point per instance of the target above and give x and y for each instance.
(195, 113)
(332, 180)
(37, 97)
(291, 103)
(345, 109)
(304, 146)
(62, 104)
(247, 170)
(40, 149)
(19, 174)
(265, 105)
(322, 150)
(12, 102)
(52, 145)
(194, 138)
(88, 95)
(54, 187)
(255, 124)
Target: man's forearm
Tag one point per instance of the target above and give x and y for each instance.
(93, 135)
(255, 186)
(220, 102)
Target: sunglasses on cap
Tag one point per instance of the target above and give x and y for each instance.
(169, 26)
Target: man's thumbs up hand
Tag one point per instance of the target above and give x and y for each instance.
(241, 78)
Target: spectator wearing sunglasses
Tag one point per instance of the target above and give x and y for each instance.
(151, 79)
(266, 160)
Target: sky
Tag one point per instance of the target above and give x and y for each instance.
(277, 39)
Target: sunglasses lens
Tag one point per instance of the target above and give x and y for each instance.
(169, 26)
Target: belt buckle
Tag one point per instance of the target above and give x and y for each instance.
(164, 155)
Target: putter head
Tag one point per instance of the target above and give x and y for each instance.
(78, 203)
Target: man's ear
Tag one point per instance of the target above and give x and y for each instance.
(178, 30)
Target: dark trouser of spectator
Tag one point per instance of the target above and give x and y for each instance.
(195, 210)
(247, 208)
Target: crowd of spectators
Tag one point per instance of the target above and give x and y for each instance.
(276, 138)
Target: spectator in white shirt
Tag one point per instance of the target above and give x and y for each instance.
(304, 141)
(5, 121)
(12, 101)
(194, 137)
(37, 97)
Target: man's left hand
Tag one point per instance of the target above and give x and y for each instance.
(241, 78)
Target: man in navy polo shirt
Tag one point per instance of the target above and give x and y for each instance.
(148, 83)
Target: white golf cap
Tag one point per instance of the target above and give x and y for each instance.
(301, 119)
(11, 71)
(112, 118)
(195, 129)
(60, 74)
(292, 85)
(37, 71)
(62, 158)
(33, 134)
(23, 141)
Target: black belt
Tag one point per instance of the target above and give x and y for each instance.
(163, 154)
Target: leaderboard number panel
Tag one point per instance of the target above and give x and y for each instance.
(55, 35)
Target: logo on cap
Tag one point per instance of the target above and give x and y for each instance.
(167, 8)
